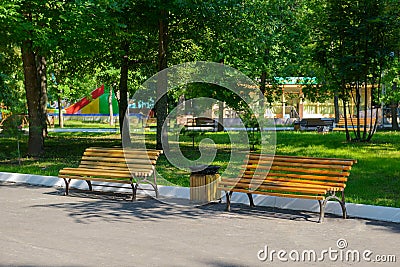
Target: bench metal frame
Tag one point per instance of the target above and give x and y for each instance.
(322, 203)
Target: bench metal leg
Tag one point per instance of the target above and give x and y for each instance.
(67, 181)
(228, 200)
(323, 203)
(250, 196)
(152, 183)
(155, 187)
(341, 202)
(155, 182)
(89, 183)
(343, 205)
(134, 189)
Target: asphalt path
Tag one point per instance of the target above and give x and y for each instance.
(41, 227)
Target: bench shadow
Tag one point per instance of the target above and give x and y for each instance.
(112, 207)
(388, 226)
(116, 207)
(23, 265)
(219, 263)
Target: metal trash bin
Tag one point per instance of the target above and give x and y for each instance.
(204, 182)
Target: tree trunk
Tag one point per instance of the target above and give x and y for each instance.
(336, 107)
(364, 136)
(123, 98)
(358, 104)
(110, 105)
(161, 104)
(393, 110)
(33, 93)
(262, 102)
(42, 76)
(263, 89)
(263, 82)
(220, 127)
(60, 114)
(345, 120)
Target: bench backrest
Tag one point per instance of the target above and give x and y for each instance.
(330, 172)
(310, 122)
(353, 121)
(201, 121)
(205, 121)
(138, 161)
(151, 122)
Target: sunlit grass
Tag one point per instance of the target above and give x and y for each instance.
(375, 179)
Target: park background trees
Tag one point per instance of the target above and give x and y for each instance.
(355, 42)
(63, 49)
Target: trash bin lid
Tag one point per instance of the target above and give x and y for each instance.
(204, 169)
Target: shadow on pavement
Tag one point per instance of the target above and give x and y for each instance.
(117, 207)
(86, 207)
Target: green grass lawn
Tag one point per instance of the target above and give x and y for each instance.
(375, 179)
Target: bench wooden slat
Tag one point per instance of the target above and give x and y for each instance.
(119, 160)
(96, 179)
(352, 124)
(308, 160)
(288, 182)
(95, 172)
(299, 170)
(305, 177)
(125, 150)
(133, 169)
(103, 173)
(280, 189)
(295, 164)
(339, 161)
(349, 128)
(119, 154)
(121, 165)
(298, 182)
(283, 186)
(354, 120)
(116, 166)
(128, 153)
(315, 197)
(322, 162)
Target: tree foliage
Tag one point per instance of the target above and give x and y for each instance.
(354, 42)
(78, 45)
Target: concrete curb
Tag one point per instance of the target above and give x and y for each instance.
(387, 214)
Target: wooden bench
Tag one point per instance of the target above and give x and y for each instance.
(319, 124)
(352, 123)
(3, 117)
(14, 120)
(294, 177)
(115, 165)
(201, 122)
(151, 123)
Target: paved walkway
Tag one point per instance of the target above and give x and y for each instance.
(40, 227)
